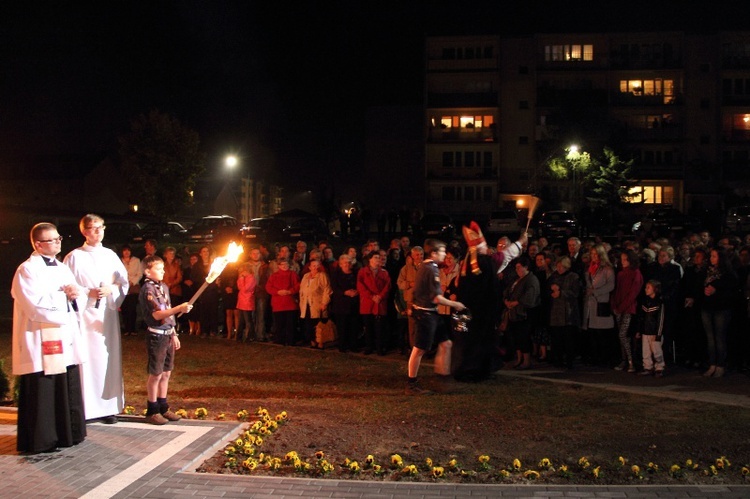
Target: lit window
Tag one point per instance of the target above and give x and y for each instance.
(569, 52)
(741, 122)
(657, 86)
(651, 194)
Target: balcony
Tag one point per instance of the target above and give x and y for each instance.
(436, 171)
(735, 62)
(464, 100)
(658, 171)
(736, 135)
(484, 134)
(735, 100)
(628, 99)
(588, 97)
(618, 60)
(664, 133)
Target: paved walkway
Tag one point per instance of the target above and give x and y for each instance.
(132, 459)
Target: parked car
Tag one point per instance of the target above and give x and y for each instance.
(168, 232)
(306, 229)
(503, 222)
(437, 226)
(665, 220)
(119, 232)
(738, 219)
(263, 230)
(557, 224)
(216, 229)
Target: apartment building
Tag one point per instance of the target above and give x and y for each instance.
(498, 108)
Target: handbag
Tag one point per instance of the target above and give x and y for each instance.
(603, 309)
(504, 320)
(325, 333)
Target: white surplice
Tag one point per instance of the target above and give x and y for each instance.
(101, 373)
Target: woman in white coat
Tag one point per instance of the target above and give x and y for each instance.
(314, 296)
(598, 322)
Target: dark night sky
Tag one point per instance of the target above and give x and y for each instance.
(285, 84)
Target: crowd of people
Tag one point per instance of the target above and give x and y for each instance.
(587, 302)
(637, 306)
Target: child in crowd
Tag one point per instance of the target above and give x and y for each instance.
(650, 330)
(162, 340)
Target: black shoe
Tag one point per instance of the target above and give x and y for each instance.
(109, 419)
(415, 389)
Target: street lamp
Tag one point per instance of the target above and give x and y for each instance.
(231, 161)
(244, 202)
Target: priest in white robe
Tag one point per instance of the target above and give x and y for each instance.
(47, 348)
(105, 281)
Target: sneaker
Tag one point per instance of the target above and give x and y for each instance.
(631, 368)
(659, 374)
(621, 366)
(109, 419)
(156, 419)
(415, 389)
(719, 373)
(646, 372)
(171, 416)
(710, 372)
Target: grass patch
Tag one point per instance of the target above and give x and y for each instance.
(352, 406)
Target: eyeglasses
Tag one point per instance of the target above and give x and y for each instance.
(57, 239)
(96, 228)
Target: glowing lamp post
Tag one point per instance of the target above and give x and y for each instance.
(217, 267)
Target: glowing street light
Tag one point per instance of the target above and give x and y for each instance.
(231, 161)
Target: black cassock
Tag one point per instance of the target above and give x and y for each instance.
(475, 353)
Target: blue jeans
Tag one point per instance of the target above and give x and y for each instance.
(716, 325)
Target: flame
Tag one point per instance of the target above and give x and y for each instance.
(217, 267)
(234, 251)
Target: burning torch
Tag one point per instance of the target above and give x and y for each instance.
(533, 203)
(217, 267)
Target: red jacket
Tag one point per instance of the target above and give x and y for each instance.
(627, 287)
(283, 279)
(246, 292)
(369, 285)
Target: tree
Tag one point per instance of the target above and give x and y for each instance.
(599, 187)
(575, 166)
(161, 160)
(610, 182)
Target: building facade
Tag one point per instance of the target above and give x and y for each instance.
(498, 108)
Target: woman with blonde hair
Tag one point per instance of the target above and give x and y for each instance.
(314, 296)
(598, 322)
